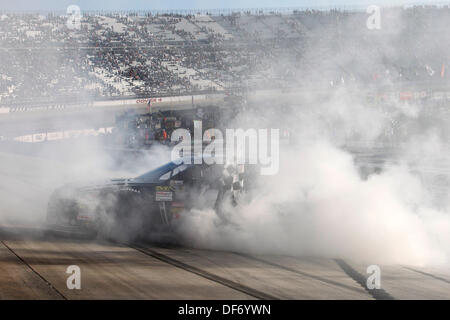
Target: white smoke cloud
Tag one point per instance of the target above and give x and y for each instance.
(319, 204)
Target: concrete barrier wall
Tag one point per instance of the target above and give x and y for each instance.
(206, 99)
(132, 103)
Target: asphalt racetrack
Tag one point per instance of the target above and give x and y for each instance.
(33, 266)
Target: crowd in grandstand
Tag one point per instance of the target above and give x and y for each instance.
(115, 55)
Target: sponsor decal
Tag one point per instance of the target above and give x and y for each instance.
(177, 209)
(163, 188)
(163, 196)
(176, 185)
(147, 101)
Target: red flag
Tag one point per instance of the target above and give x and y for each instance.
(443, 71)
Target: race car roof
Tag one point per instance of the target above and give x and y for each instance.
(154, 175)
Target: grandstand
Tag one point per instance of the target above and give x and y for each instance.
(118, 55)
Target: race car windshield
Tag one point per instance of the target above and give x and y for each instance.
(162, 173)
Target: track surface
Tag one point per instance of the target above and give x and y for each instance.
(33, 266)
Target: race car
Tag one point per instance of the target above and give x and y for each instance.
(148, 204)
